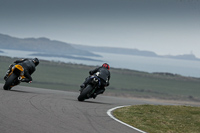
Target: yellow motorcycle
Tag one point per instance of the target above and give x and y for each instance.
(14, 77)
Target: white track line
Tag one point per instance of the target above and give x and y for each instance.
(109, 112)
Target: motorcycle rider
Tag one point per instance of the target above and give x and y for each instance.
(29, 67)
(104, 74)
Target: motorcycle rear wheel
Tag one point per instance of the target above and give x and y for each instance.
(84, 93)
(9, 81)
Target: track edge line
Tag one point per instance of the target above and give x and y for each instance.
(109, 113)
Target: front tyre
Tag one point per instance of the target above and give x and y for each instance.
(9, 81)
(85, 92)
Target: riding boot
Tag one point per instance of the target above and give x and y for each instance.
(98, 92)
(7, 73)
(84, 84)
(82, 87)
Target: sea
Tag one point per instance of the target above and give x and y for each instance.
(187, 68)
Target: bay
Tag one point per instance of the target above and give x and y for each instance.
(140, 63)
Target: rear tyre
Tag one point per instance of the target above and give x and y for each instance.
(84, 93)
(9, 81)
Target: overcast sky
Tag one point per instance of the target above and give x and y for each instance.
(163, 26)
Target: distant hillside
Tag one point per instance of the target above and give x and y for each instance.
(136, 52)
(113, 50)
(184, 57)
(39, 45)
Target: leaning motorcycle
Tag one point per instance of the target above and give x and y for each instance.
(91, 87)
(14, 77)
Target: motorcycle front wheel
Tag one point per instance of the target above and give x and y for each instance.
(9, 81)
(84, 93)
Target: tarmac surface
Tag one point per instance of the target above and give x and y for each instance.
(36, 110)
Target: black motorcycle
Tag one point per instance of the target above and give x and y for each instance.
(90, 88)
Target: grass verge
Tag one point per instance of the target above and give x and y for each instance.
(160, 118)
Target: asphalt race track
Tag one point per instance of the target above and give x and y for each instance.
(35, 110)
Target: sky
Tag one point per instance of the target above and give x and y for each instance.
(162, 26)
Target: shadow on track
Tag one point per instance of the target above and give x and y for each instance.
(95, 102)
(20, 91)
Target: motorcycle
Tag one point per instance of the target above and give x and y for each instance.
(90, 88)
(14, 77)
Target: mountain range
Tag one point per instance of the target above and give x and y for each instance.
(46, 47)
(41, 45)
(126, 51)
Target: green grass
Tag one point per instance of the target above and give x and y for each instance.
(161, 119)
(128, 83)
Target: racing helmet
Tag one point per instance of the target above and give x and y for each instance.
(36, 61)
(106, 66)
